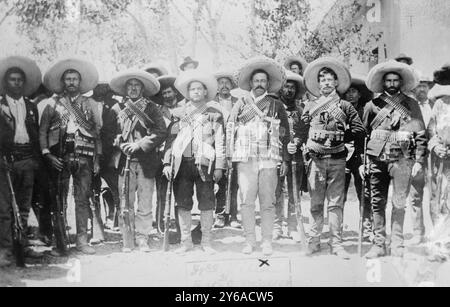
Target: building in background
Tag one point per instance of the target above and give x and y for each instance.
(418, 28)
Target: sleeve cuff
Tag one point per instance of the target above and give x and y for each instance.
(45, 151)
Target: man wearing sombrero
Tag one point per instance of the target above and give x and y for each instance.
(262, 133)
(296, 64)
(156, 70)
(168, 99)
(19, 78)
(70, 136)
(326, 125)
(290, 94)
(226, 83)
(140, 130)
(195, 154)
(189, 64)
(439, 132)
(396, 149)
(358, 95)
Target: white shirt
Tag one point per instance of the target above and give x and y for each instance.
(19, 112)
(426, 110)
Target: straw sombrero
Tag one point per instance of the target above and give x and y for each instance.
(29, 67)
(359, 82)
(312, 73)
(88, 72)
(161, 70)
(301, 90)
(228, 75)
(375, 78)
(295, 59)
(186, 78)
(165, 82)
(442, 83)
(119, 82)
(277, 74)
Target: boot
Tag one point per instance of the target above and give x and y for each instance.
(220, 222)
(397, 221)
(267, 248)
(86, 249)
(206, 220)
(142, 243)
(185, 219)
(376, 251)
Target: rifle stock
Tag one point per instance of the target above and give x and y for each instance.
(17, 231)
(125, 225)
(363, 199)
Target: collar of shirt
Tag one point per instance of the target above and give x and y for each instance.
(10, 100)
(72, 100)
(259, 98)
(426, 102)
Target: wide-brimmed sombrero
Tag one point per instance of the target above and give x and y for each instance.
(29, 67)
(155, 67)
(403, 56)
(88, 72)
(277, 74)
(301, 89)
(186, 78)
(165, 82)
(442, 83)
(293, 60)
(119, 82)
(229, 75)
(312, 73)
(375, 78)
(188, 60)
(359, 82)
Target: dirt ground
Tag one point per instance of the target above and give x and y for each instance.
(287, 266)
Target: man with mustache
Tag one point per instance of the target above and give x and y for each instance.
(262, 134)
(226, 83)
(19, 78)
(140, 130)
(74, 120)
(292, 91)
(325, 126)
(396, 149)
(195, 155)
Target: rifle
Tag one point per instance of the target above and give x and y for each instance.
(125, 225)
(167, 208)
(17, 229)
(230, 150)
(62, 235)
(362, 203)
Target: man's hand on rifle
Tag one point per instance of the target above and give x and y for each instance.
(167, 171)
(362, 172)
(441, 151)
(130, 148)
(218, 173)
(97, 164)
(55, 162)
(292, 148)
(417, 168)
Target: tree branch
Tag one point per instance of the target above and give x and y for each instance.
(7, 14)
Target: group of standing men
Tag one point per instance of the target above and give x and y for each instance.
(316, 116)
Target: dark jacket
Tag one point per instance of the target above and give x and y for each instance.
(31, 123)
(148, 139)
(416, 126)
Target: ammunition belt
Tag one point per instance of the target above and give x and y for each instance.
(391, 155)
(80, 145)
(323, 150)
(320, 135)
(391, 136)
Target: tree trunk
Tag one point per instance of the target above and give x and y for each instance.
(172, 45)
